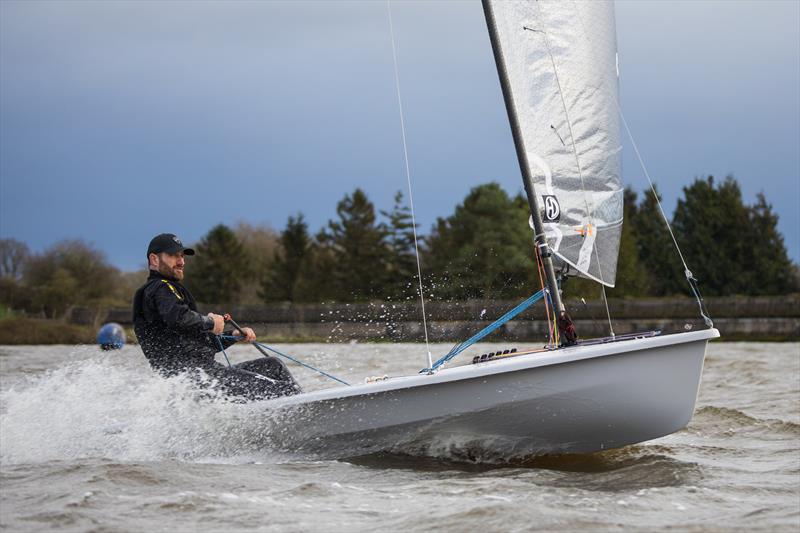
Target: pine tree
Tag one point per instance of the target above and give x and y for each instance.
(712, 226)
(279, 282)
(358, 248)
(401, 259)
(485, 249)
(633, 279)
(215, 274)
(657, 254)
(773, 271)
(314, 280)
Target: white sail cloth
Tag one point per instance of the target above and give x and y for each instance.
(560, 57)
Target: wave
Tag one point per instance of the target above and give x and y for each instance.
(108, 407)
(629, 468)
(710, 419)
(115, 408)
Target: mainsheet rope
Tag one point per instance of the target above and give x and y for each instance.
(220, 338)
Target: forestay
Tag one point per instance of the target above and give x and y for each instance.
(561, 63)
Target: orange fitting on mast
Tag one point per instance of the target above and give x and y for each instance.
(551, 329)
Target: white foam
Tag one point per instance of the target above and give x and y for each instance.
(116, 408)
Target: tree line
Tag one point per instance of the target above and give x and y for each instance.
(482, 250)
(73, 272)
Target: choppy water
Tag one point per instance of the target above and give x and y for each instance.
(93, 441)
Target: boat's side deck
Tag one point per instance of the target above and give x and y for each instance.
(513, 352)
(520, 361)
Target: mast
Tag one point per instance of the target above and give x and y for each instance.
(564, 322)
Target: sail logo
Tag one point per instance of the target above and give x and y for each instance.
(552, 209)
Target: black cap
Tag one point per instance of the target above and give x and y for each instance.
(169, 243)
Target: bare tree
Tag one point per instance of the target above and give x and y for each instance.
(260, 243)
(13, 256)
(70, 272)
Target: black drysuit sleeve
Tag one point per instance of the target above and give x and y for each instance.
(174, 311)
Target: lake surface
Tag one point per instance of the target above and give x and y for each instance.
(93, 441)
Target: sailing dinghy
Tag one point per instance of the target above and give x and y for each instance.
(558, 72)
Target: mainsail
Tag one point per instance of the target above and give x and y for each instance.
(560, 61)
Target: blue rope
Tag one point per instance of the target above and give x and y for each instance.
(219, 343)
(460, 347)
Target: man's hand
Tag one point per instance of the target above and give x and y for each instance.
(249, 334)
(219, 323)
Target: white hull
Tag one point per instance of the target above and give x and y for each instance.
(577, 399)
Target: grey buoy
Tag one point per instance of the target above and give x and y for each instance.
(111, 336)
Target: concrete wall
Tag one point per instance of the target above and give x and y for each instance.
(737, 318)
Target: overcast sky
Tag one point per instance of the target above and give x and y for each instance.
(120, 120)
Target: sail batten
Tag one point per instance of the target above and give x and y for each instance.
(560, 59)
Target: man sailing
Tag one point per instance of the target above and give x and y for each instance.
(176, 338)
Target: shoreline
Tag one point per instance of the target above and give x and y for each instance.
(23, 331)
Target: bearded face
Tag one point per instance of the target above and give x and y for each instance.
(168, 265)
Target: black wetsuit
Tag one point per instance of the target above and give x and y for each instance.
(175, 338)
